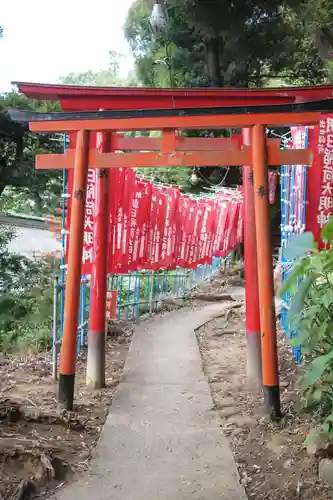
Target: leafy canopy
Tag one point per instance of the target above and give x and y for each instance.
(219, 43)
(110, 76)
(38, 190)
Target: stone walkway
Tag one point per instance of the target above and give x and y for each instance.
(162, 440)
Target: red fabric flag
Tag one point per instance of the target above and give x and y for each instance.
(138, 224)
(145, 224)
(127, 205)
(89, 222)
(320, 178)
(171, 199)
(157, 216)
(181, 230)
(113, 204)
(272, 185)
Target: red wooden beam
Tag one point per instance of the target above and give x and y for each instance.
(84, 97)
(169, 141)
(179, 122)
(179, 144)
(175, 159)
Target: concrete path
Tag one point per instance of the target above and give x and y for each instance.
(162, 441)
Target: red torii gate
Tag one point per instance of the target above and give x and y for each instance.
(255, 117)
(73, 98)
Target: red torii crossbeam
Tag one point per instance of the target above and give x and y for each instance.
(255, 117)
(203, 157)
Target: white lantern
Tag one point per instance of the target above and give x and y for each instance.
(158, 20)
(194, 179)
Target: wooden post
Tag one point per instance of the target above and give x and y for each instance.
(96, 340)
(253, 341)
(265, 274)
(72, 295)
(55, 331)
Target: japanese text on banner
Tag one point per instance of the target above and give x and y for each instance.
(89, 220)
(325, 150)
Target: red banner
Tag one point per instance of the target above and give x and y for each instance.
(181, 230)
(145, 224)
(157, 217)
(297, 186)
(169, 230)
(272, 185)
(89, 219)
(111, 304)
(320, 178)
(113, 204)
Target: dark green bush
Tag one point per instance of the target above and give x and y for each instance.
(26, 295)
(310, 283)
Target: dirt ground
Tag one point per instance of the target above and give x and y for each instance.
(40, 446)
(271, 459)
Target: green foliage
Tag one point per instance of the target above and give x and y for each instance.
(298, 245)
(317, 16)
(26, 295)
(25, 285)
(181, 177)
(311, 313)
(103, 78)
(183, 49)
(300, 62)
(219, 43)
(18, 148)
(175, 176)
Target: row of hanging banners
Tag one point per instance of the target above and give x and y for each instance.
(156, 227)
(307, 191)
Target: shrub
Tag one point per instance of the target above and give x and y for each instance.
(310, 283)
(26, 299)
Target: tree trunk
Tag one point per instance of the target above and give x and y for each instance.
(2, 188)
(213, 62)
(324, 42)
(38, 202)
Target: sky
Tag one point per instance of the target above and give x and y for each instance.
(44, 40)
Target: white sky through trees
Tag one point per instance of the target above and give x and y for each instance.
(44, 40)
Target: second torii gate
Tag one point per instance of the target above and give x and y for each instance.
(79, 98)
(259, 156)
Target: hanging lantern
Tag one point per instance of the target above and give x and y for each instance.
(158, 20)
(272, 185)
(194, 178)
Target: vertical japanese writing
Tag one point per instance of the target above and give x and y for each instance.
(89, 219)
(325, 150)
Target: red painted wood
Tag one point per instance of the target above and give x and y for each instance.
(179, 122)
(100, 245)
(89, 98)
(175, 159)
